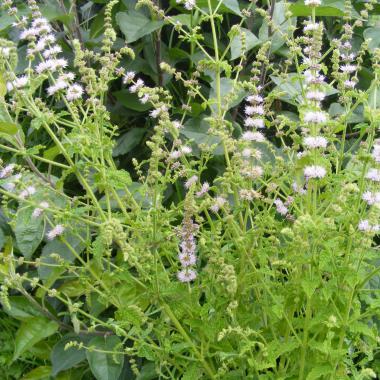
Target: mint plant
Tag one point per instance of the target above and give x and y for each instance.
(240, 241)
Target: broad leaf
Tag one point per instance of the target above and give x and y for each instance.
(39, 373)
(236, 45)
(21, 308)
(62, 359)
(128, 141)
(105, 366)
(29, 231)
(135, 25)
(373, 34)
(31, 332)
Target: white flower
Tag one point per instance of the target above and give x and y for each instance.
(313, 3)
(157, 112)
(316, 117)
(134, 88)
(254, 99)
(311, 78)
(75, 91)
(189, 4)
(314, 171)
(56, 49)
(280, 207)
(312, 26)
(187, 275)
(298, 189)
(19, 82)
(177, 124)
(252, 172)
(349, 83)
(348, 68)
(315, 142)
(365, 226)
(218, 204)
(38, 211)
(250, 110)
(191, 181)
(373, 175)
(39, 21)
(315, 95)
(204, 189)
(29, 33)
(5, 52)
(7, 171)
(145, 99)
(51, 65)
(246, 153)
(371, 198)
(56, 231)
(186, 149)
(128, 77)
(30, 190)
(253, 136)
(256, 123)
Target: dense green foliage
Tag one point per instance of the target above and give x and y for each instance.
(190, 190)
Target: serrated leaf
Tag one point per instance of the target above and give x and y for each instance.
(31, 332)
(105, 366)
(29, 231)
(318, 371)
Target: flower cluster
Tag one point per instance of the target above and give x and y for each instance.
(187, 255)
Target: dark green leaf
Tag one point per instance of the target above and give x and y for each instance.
(105, 366)
(128, 141)
(236, 45)
(135, 25)
(62, 359)
(31, 332)
(29, 231)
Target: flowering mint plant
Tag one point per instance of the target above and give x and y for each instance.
(239, 241)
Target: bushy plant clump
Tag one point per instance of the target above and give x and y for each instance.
(243, 243)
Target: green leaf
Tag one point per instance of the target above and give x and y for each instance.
(39, 373)
(3, 86)
(236, 45)
(131, 101)
(282, 23)
(184, 19)
(58, 247)
(318, 371)
(197, 130)
(31, 332)
(29, 231)
(135, 25)
(21, 308)
(62, 359)
(227, 6)
(148, 372)
(105, 366)
(290, 88)
(329, 8)
(128, 141)
(226, 87)
(8, 128)
(374, 34)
